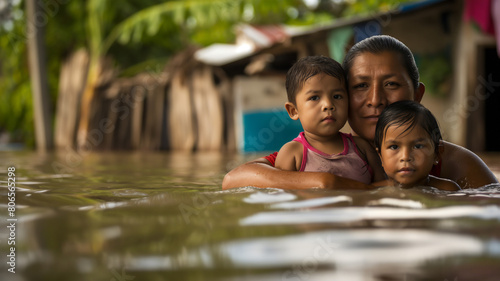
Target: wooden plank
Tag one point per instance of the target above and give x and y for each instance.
(224, 88)
(71, 82)
(180, 115)
(200, 109)
(208, 110)
(152, 132)
(138, 95)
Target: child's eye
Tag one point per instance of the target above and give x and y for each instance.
(393, 147)
(338, 97)
(314, 98)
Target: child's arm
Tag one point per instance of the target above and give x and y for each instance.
(372, 159)
(290, 156)
(443, 184)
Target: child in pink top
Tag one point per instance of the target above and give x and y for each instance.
(317, 97)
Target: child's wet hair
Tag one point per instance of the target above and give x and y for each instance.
(308, 67)
(408, 113)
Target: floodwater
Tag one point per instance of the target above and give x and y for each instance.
(163, 216)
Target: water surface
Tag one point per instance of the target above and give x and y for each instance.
(163, 216)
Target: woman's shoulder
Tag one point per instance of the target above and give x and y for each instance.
(464, 167)
(455, 148)
(453, 153)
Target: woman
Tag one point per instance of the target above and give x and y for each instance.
(380, 70)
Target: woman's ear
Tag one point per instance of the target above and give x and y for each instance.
(419, 93)
(292, 110)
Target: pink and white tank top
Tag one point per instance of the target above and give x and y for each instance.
(348, 163)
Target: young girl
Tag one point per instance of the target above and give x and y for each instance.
(407, 138)
(317, 97)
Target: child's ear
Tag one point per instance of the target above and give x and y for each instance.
(292, 111)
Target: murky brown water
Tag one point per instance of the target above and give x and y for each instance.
(161, 216)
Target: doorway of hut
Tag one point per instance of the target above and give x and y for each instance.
(492, 99)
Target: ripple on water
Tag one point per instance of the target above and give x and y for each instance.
(355, 214)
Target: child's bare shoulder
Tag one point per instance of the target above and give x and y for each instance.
(290, 156)
(291, 147)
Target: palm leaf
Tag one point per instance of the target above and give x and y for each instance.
(184, 13)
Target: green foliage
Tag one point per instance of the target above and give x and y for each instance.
(435, 72)
(16, 109)
(197, 19)
(161, 30)
(364, 7)
(16, 114)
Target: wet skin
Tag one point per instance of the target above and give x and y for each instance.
(375, 81)
(407, 155)
(321, 106)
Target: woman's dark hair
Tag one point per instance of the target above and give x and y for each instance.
(407, 113)
(383, 43)
(306, 68)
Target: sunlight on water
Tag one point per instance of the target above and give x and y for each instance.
(353, 214)
(161, 216)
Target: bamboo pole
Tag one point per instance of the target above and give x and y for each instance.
(38, 76)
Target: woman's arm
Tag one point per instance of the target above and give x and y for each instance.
(465, 167)
(260, 173)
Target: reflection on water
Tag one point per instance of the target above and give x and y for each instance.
(163, 216)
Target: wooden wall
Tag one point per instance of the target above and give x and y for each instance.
(185, 107)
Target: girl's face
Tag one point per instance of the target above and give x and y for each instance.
(407, 157)
(321, 106)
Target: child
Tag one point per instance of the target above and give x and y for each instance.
(317, 96)
(407, 138)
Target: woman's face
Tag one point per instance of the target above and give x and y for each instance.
(375, 81)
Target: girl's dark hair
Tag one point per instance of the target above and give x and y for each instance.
(407, 113)
(383, 43)
(306, 68)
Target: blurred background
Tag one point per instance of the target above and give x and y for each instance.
(208, 75)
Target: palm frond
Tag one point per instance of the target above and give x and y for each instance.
(190, 13)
